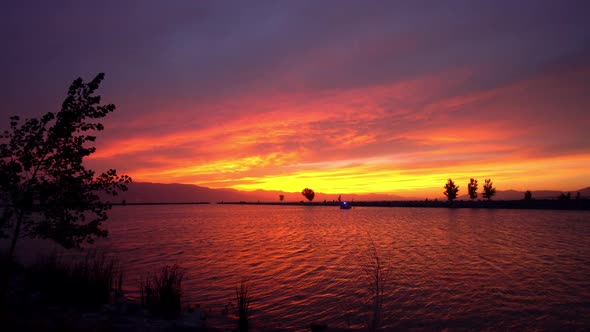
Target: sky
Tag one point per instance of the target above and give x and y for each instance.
(339, 96)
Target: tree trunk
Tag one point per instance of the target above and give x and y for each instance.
(16, 234)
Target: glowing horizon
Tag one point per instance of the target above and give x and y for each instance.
(409, 162)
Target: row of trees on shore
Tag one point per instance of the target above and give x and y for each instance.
(451, 189)
(489, 191)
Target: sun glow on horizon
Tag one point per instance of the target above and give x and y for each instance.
(380, 178)
(364, 141)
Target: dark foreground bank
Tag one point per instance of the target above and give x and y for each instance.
(57, 296)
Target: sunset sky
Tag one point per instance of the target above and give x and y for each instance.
(339, 96)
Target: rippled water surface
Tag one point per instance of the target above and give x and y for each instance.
(445, 268)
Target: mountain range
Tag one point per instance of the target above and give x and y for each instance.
(146, 192)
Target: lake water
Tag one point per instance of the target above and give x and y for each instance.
(443, 268)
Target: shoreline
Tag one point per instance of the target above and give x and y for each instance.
(549, 204)
(535, 204)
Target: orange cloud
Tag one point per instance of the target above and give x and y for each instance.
(406, 137)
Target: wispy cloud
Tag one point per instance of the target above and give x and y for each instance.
(339, 96)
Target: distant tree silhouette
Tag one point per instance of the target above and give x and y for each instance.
(339, 198)
(578, 195)
(488, 189)
(281, 197)
(308, 193)
(472, 188)
(451, 190)
(564, 197)
(50, 194)
(528, 195)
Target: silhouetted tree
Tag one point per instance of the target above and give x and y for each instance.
(528, 195)
(488, 189)
(50, 193)
(339, 198)
(578, 195)
(308, 193)
(564, 197)
(451, 190)
(472, 188)
(281, 197)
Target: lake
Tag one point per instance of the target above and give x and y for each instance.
(442, 268)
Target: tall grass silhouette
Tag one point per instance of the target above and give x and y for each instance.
(243, 300)
(376, 273)
(161, 293)
(87, 281)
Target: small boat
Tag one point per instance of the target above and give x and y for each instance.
(345, 205)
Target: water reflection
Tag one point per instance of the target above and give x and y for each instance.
(446, 268)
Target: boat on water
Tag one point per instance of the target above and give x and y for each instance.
(344, 205)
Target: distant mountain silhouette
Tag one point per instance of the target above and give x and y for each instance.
(584, 192)
(147, 192)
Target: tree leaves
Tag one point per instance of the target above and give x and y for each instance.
(308, 193)
(472, 188)
(42, 175)
(451, 190)
(488, 189)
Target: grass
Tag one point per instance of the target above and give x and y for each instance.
(161, 293)
(375, 270)
(243, 306)
(94, 278)
(89, 281)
